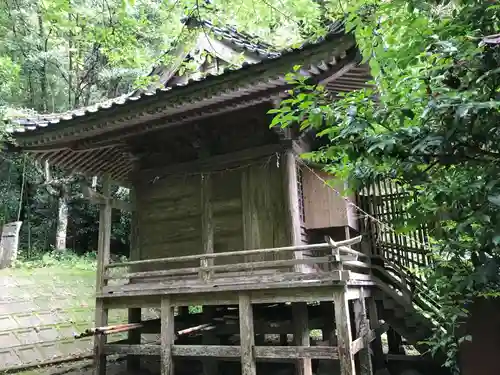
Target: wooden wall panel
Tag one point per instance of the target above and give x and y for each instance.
(265, 215)
(323, 207)
(226, 206)
(248, 208)
(170, 218)
(169, 214)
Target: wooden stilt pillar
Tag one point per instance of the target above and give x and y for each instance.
(362, 328)
(301, 336)
(344, 335)
(103, 254)
(101, 320)
(378, 352)
(134, 338)
(284, 339)
(134, 314)
(247, 336)
(210, 365)
(394, 342)
(329, 336)
(328, 323)
(167, 336)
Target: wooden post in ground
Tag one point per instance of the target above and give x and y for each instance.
(362, 328)
(210, 365)
(328, 333)
(284, 339)
(247, 336)
(344, 334)
(301, 336)
(134, 314)
(328, 324)
(103, 253)
(378, 352)
(167, 336)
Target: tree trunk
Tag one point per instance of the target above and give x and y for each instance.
(43, 69)
(62, 224)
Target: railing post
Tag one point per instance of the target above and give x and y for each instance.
(205, 274)
(335, 252)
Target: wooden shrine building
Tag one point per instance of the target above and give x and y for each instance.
(226, 216)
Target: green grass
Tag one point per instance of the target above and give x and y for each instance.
(64, 280)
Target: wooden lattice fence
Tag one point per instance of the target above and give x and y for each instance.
(387, 202)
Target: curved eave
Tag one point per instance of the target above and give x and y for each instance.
(95, 144)
(193, 95)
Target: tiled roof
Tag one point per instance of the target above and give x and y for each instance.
(22, 125)
(247, 42)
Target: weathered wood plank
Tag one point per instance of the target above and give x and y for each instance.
(226, 351)
(167, 336)
(344, 338)
(319, 352)
(223, 268)
(205, 293)
(311, 291)
(262, 280)
(247, 336)
(142, 349)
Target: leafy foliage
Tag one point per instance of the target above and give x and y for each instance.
(429, 123)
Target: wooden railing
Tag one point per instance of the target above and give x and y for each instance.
(400, 254)
(338, 257)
